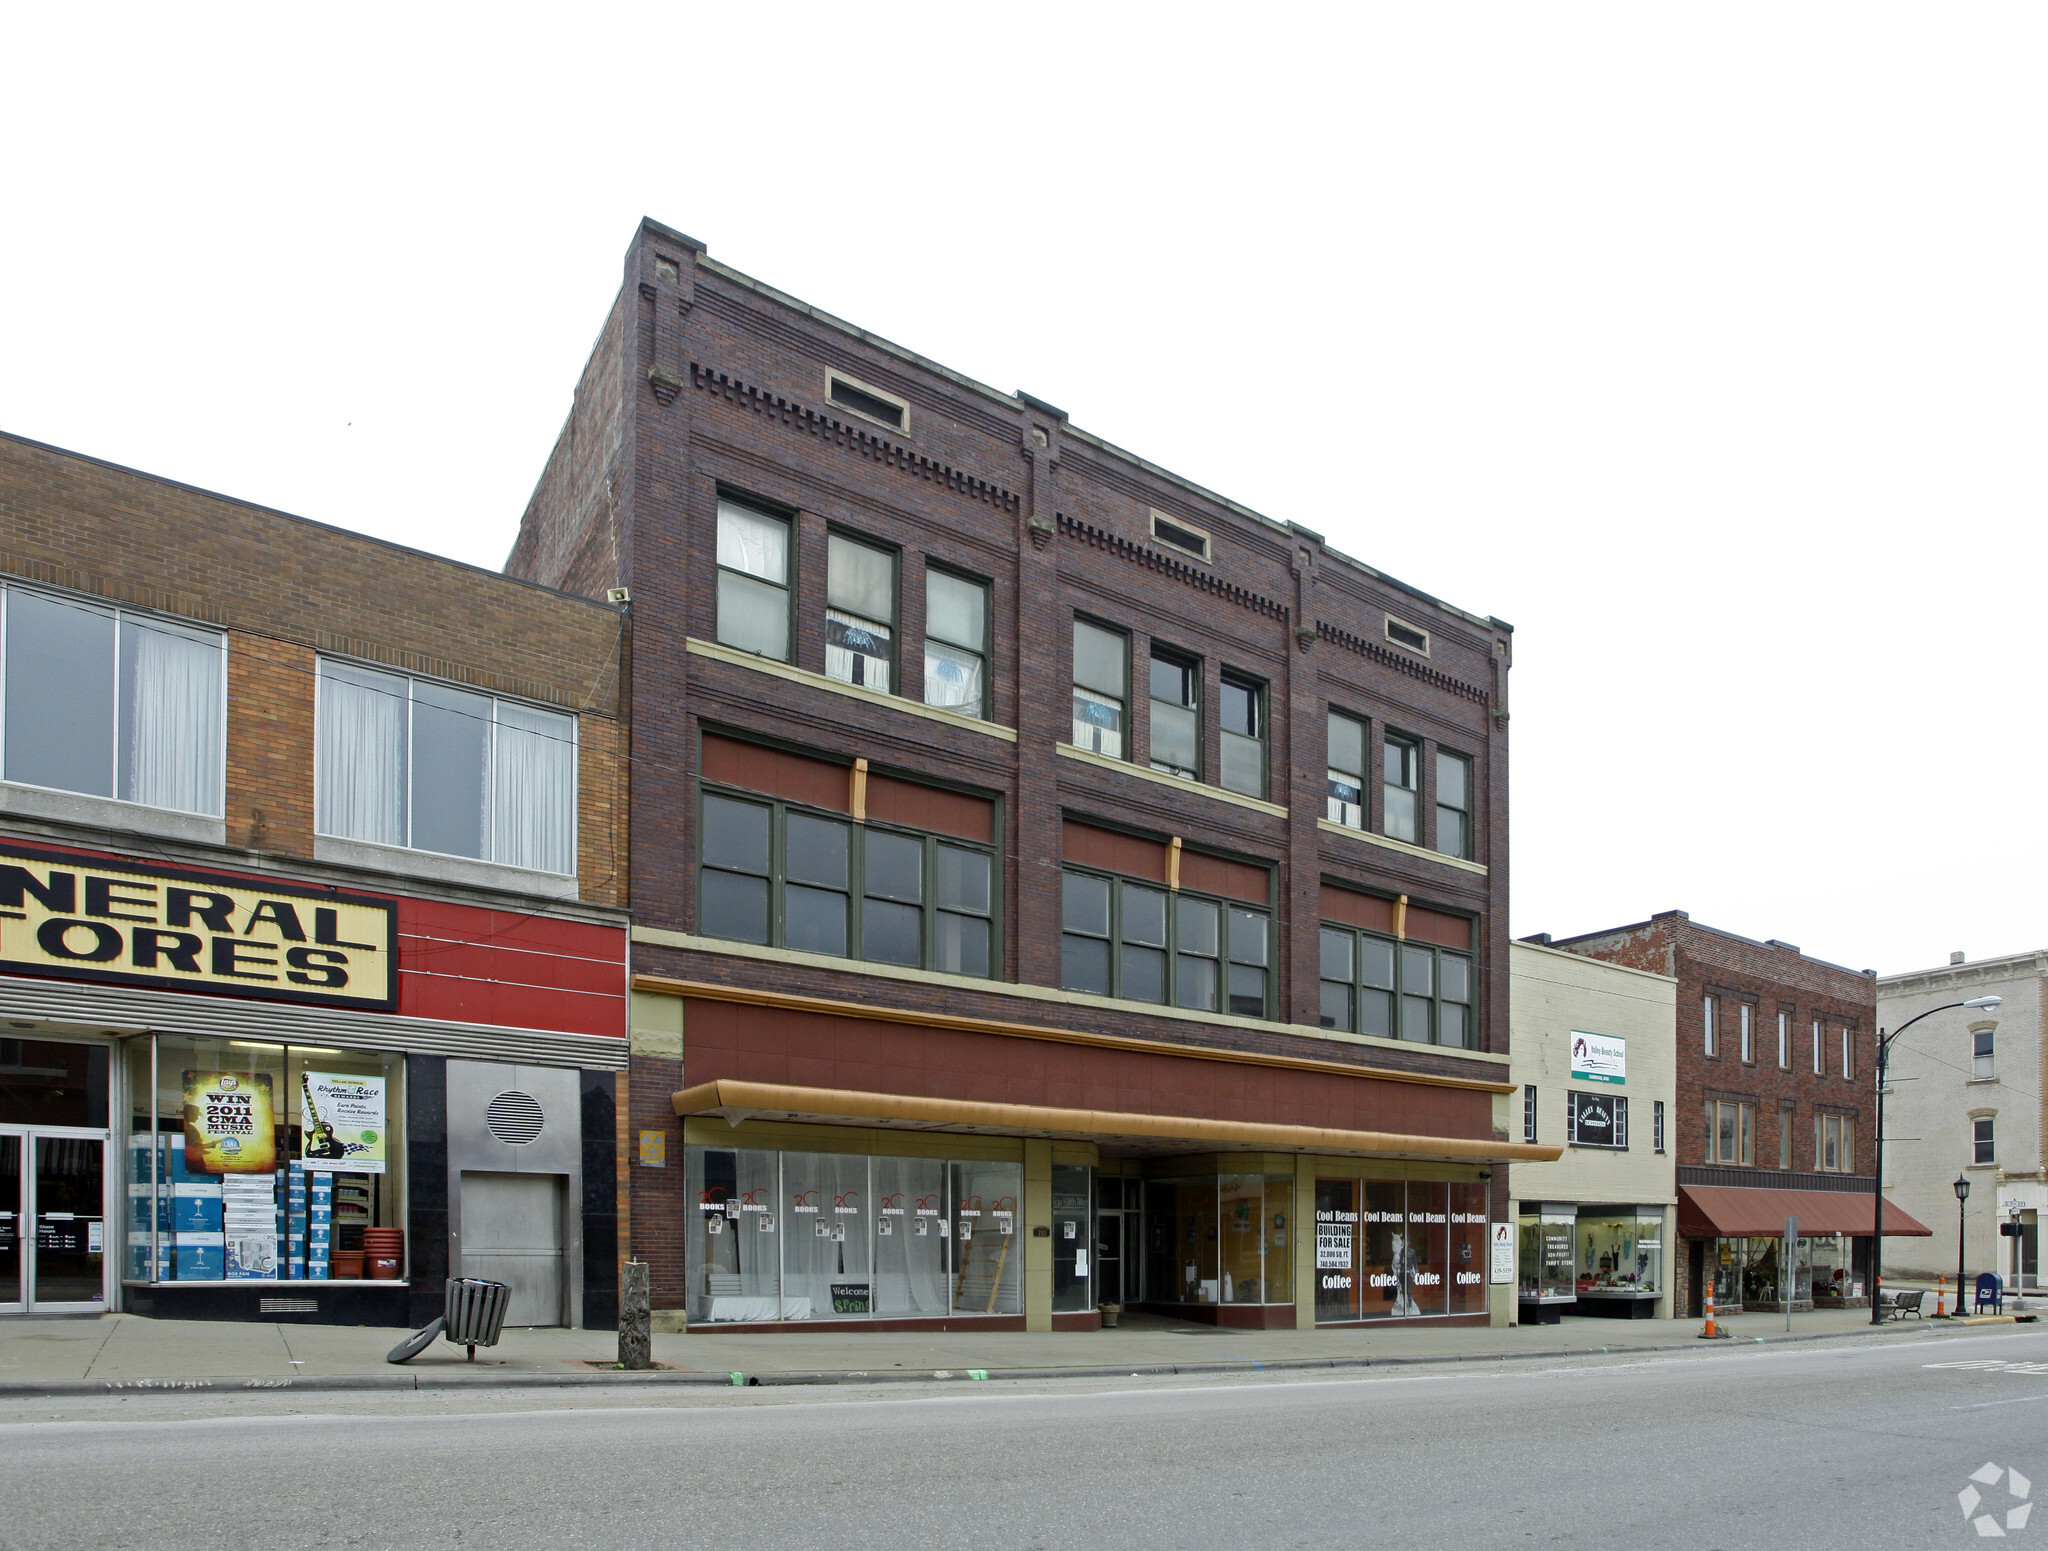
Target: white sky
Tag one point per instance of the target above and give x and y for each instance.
(1705, 346)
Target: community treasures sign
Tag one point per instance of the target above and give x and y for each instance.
(80, 918)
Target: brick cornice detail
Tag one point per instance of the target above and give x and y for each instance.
(1124, 549)
(867, 444)
(1387, 657)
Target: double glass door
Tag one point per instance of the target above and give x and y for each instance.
(1116, 1262)
(53, 1223)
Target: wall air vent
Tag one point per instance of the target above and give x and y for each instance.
(514, 1118)
(1180, 535)
(1403, 634)
(869, 403)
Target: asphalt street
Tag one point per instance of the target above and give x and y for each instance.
(1856, 1443)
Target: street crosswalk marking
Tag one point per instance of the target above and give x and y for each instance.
(1992, 1365)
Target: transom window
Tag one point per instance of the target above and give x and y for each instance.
(860, 613)
(1398, 760)
(753, 580)
(1125, 938)
(1347, 770)
(1101, 688)
(110, 703)
(1244, 736)
(956, 643)
(787, 876)
(410, 762)
(1378, 985)
(1176, 714)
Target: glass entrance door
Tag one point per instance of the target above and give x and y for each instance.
(1109, 1256)
(53, 1230)
(11, 1198)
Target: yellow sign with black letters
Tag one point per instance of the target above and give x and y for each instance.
(73, 916)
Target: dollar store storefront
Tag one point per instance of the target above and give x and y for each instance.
(227, 1095)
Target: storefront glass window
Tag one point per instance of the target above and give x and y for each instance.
(1467, 1257)
(1836, 1278)
(735, 1240)
(1546, 1261)
(1383, 1231)
(1429, 1245)
(988, 1261)
(1185, 1267)
(910, 1256)
(52, 1083)
(1073, 1275)
(1618, 1252)
(261, 1162)
(826, 1272)
(1338, 1280)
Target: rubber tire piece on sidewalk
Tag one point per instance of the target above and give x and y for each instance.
(416, 1343)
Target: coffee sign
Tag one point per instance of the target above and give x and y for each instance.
(73, 917)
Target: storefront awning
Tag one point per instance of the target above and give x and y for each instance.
(1738, 1212)
(737, 1102)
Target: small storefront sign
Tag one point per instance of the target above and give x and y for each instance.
(1599, 1057)
(1502, 1268)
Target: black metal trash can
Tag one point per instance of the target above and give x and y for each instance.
(473, 1312)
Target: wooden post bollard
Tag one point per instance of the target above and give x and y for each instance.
(636, 1341)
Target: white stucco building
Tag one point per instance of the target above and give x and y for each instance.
(1964, 1100)
(1593, 1055)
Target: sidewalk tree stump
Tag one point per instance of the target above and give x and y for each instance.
(636, 1338)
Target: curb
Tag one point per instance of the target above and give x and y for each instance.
(458, 1380)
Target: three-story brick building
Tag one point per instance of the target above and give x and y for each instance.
(1054, 884)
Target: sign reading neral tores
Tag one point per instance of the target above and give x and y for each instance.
(75, 917)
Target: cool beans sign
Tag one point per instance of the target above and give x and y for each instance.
(81, 918)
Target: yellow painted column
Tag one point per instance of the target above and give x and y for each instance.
(1037, 1251)
(1304, 1242)
(1501, 1307)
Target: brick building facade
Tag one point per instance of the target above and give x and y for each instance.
(993, 841)
(300, 821)
(1776, 1060)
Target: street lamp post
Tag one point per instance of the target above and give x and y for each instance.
(1962, 1223)
(1884, 1049)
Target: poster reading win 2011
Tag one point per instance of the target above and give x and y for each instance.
(229, 1123)
(341, 1122)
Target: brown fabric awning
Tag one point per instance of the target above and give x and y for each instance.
(1738, 1212)
(737, 1102)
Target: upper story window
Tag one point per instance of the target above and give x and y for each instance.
(1834, 1144)
(753, 581)
(1529, 1113)
(1731, 1133)
(1657, 1125)
(1244, 736)
(1377, 985)
(1398, 763)
(860, 613)
(1710, 1023)
(1124, 938)
(1785, 1040)
(869, 403)
(1985, 1053)
(956, 625)
(1746, 1017)
(1983, 1140)
(1596, 1120)
(1347, 770)
(1848, 1051)
(410, 762)
(1176, 714)
(787, 876)
(1101, 688)
(1181, 535)
(1453, 804)
(110, 703)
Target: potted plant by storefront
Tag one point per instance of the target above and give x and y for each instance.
(1109, 1312)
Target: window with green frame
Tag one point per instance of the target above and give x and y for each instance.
(1143, 942)
(1406, 990)
(787, 876)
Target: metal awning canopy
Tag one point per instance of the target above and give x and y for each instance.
(737, 1102)
(1741, 1212)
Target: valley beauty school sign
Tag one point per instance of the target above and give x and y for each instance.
(1599, 1058)
(74, 917)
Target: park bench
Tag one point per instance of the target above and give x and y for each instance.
(1897, 1305)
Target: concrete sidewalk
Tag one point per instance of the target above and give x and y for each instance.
(120, 1352)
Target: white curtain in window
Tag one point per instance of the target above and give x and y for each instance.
(533, 789)
(361, 780)
(173, 758)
